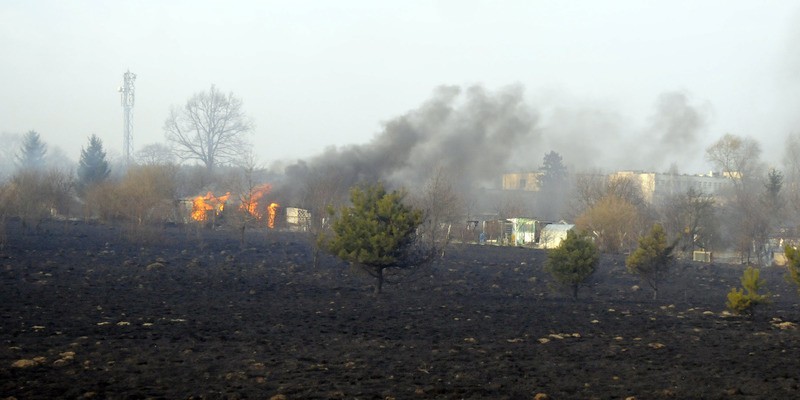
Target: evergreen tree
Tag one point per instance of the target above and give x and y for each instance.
(32, 152)
(793, 265)
(553, 187)
(93, 167)
(377, 233)
(554, 173)
(744, 301)
(573, 262)
(652, 258)
(773, 197)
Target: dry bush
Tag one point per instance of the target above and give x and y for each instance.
(34, 195)
(615, 222)
(102, 202)
(145, 195)
(148, 194)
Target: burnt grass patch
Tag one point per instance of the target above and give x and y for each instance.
(107, 311)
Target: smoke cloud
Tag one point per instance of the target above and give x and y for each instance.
(596, 137)
(674, 131)
(474, 134)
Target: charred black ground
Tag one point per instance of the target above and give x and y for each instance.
(99, 311)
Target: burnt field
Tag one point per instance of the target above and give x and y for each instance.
(100, 311)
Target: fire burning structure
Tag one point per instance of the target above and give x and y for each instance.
(210, 207)
(253, 204)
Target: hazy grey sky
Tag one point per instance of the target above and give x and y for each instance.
(314, 74)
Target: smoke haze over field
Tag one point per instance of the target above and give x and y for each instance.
(472, 132)
(477, 135)
(630, 84)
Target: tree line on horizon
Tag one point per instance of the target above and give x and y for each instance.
(389, 234)
(211, 129)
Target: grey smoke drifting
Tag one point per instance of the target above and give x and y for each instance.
(474, 134)
(675, 131)
(594, 136)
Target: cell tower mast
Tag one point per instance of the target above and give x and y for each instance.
(126, 94)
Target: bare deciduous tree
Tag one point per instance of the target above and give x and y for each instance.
(739, 159)
(324, 188)
(791, 166)
(615, 223)
(210, 128)
(250, 192)
(154, 154)
(442, 208)
(590, 188)
(691, 217)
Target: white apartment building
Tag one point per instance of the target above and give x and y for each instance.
(657, 187)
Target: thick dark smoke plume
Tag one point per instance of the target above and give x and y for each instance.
(474, 134)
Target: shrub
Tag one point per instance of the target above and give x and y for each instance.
(793, 265)
(35, 195)
(573, 262)
(652, 258)
(377, 233)
(146, 194)
(744, 301)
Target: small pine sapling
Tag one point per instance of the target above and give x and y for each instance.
(743, 301)
(378, 233)
(793, 265)
(573, 262)
(652, 258)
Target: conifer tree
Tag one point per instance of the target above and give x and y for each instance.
(377, 233)
(93, 167)
(32, 152)
(745, 300)
(793, 265)
(573, 262)
(652, 258)
(554, 173)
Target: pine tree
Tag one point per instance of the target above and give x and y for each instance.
(652, 258)
(554, 173)
(744, 301)
(573, 262)
(553, 186)
(93, 167)
(377, 233)
(32, 152)
(793, 265)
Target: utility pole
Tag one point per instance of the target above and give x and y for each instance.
(126, 94)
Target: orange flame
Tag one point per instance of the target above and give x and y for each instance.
(273, 209)
(201, 205)
(250, 203)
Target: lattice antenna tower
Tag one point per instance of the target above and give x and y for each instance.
(127, 97)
